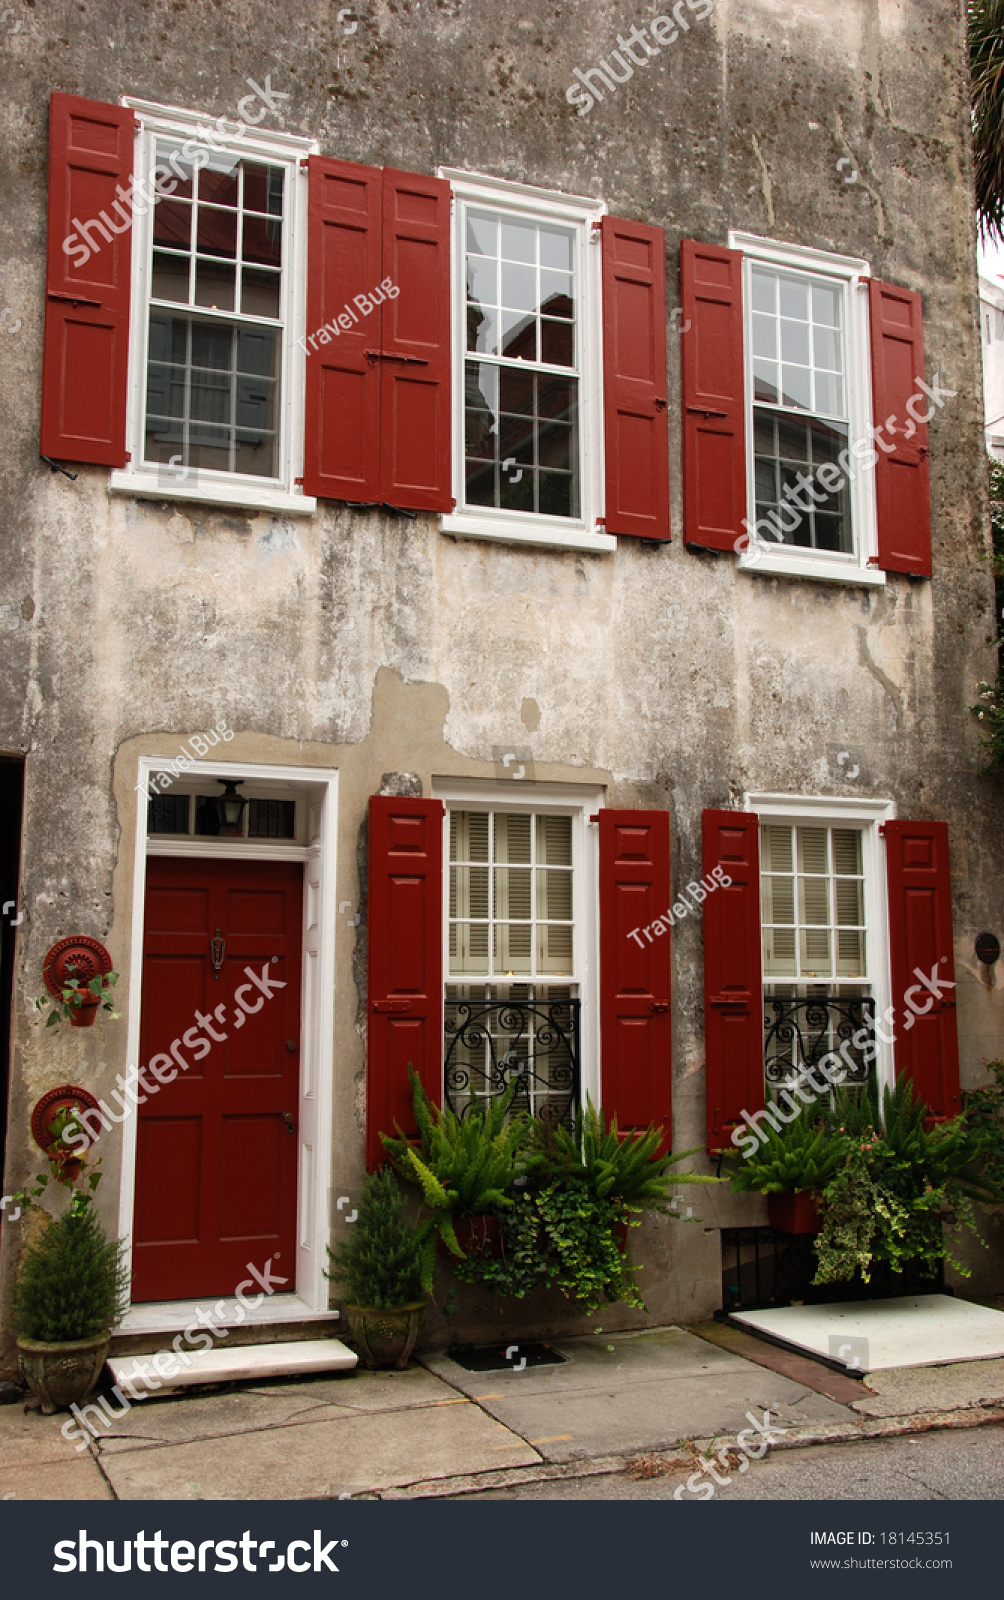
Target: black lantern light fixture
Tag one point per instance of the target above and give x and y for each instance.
(230, 805)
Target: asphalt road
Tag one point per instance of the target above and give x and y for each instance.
(962, 1464)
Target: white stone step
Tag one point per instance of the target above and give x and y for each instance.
(167, 1370)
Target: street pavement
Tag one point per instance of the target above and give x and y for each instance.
(621, 1415)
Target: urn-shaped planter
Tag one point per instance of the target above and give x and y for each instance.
(61, 1373)
(793, 1212)
(386, 1338)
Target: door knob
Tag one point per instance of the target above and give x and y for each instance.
(290, 1121)
(291, 1046)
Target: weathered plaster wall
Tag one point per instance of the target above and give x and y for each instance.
(379, 645)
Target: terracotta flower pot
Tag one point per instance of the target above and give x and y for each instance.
(794, 1212)
(386, 1338)
(60, 1373)
(84, 1009)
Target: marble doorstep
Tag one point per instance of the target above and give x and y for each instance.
(925, 1330)
(243, 1363)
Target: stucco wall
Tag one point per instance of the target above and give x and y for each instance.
(373, 644)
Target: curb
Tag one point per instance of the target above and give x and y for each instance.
(677, 1460)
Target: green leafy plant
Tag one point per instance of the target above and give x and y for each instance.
(380, 1264)
(804, 1154)
(586, 1187)
(615, 1166)
(900, 1186)
(984, 1114)
(466, 1167)
(71, 996)
(71, 1282)
(66, 1166)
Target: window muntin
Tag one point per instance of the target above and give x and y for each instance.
(813, 905)
(212, 391)
(510, 895)
(522, 367)
(801, 420)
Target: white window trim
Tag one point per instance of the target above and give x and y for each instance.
(515, 527)
(317, 790)
(580, 801)
(211, 487)
(785, 560)
(868, 815)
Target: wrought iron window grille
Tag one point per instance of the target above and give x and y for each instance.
(800, 1030)
(491, 1044)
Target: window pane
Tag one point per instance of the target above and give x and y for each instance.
(519, 241)
(764, 285)
(556, 294)
(260, 292)
(263, 188)
(556, 248)
(262, 241)
(556, 343)
(170, 277)
(512, 838)
(779, 953)
(794, 297)
(482, 234)
(172, 223)
(519, 287)
(554, 895)
(218, 188)
(765, 337)
(216, 234)
(554, 949)
(815, 953)
(482, 281)
(214, 285)
(847, 851)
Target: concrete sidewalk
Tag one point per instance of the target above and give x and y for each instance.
(438, 1430)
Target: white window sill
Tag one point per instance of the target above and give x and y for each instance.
(771, 563)
(147, 485)
(552, 533)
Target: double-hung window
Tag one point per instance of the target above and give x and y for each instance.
(512, 978)
(810, 493)
(216, 375)
(527, 368)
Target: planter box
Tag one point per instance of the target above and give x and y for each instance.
(794, 1212)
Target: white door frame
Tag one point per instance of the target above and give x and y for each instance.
(319, 857)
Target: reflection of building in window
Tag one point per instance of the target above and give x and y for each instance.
(800, 415)
(522, 393)
(213, 373)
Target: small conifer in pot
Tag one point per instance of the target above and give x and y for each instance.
(379, 1265)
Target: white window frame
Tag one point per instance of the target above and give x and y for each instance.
(868, 815)
(580, 802)
(584, 532)
(147, 481)
(853, 272)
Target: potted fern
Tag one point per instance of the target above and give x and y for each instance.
(380, 1266)
(792, 1168)
(465, 1169)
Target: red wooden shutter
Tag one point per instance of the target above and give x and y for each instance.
(405, 1002)
(714, 395)
(415, 353)
(902, 488)
(86, 360)
(920, 948)
(342, 410)
(634, 379)
(635, 1022)
(733, 996)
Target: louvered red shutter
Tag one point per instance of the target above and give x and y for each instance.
(714, 396)
(342, 409)
(405, 999)
(634, 379)
(733, 1003)
(415, 358)
(635, 1022)
(902, 487)
(86, 360)
(920, 948)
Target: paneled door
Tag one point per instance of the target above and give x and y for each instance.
(219, 1042)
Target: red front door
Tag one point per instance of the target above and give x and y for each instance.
(216, 1148)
